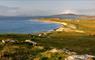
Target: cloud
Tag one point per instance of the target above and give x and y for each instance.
(22, 11)
(77, 11)
(87, 11)
(8, 11)
(29, 11)
(67, 11)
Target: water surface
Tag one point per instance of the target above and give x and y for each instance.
(25, 26)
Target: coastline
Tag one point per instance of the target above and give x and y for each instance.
(64, 26)
(54, 22)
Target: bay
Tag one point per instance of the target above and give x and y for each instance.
(25, 26)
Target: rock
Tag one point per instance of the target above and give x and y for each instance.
(80, 57)
(3, 41)
(31, 42)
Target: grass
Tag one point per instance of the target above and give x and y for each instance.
(81, 43)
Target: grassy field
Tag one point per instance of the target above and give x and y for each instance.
(80, 42)
(86, 25)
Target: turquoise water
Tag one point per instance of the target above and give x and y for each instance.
(25, 26)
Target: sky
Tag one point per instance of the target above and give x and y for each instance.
(46, 7)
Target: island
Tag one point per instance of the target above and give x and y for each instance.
(75, 38)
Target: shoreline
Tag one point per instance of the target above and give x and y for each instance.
(54, 22)
(63, 26)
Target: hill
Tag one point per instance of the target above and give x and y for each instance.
(70, 16)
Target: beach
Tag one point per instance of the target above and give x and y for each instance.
(64, 26)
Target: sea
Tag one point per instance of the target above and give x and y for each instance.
(27, 26)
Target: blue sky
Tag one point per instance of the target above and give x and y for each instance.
(46, 7)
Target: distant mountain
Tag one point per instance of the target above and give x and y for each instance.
(68, 16)
(71, 16)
